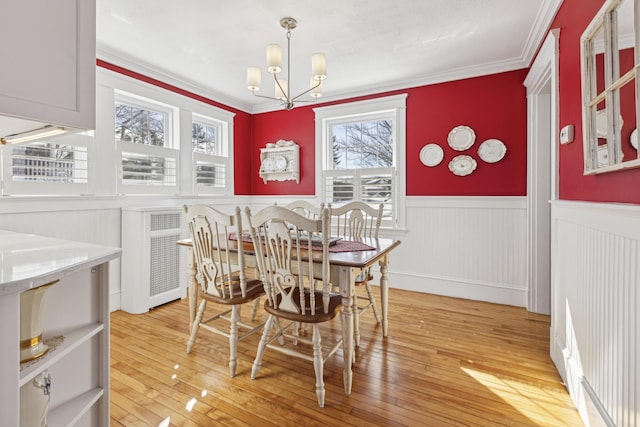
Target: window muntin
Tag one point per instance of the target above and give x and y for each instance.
(362, 144)
(140, 125)
(205, 138)
(366, 144)
(149, 154)
(210, 165)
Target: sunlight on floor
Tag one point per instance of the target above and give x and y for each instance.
(514, 393)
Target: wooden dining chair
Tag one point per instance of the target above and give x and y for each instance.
(353, 221)
(298, 291)
(305, 208)
(221, 276)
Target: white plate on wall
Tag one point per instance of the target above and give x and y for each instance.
(461, 138)
(603, 156)
(431, 155)
(462, 165)
(492, 150)
(634, 138)
(601, 123)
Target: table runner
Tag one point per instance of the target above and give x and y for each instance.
(340, 246)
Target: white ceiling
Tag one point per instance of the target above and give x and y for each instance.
(370, 45)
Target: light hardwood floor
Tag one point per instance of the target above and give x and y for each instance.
(446, 362)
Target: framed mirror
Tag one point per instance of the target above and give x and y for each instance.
(609, 68)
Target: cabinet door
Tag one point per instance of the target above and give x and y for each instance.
(48, 61)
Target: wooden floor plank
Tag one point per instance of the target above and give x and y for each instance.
(446, 362)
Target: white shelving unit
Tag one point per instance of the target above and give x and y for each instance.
(280, 161)
(75, 313)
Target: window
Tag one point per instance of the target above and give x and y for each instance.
(362, 146)
(210, 154)
(54, 166)
(609, 87)
(149, 154)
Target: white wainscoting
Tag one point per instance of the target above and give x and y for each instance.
(90, 219)
(466, 247)
(595, 339)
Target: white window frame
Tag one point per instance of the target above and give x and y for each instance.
(393, 107)
(223, 158)
(171, 150)
(37, 188)
(602, 36)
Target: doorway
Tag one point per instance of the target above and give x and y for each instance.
(542, 136)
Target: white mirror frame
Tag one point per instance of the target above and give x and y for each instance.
(606, 20)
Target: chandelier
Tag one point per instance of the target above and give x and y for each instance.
(274, 66)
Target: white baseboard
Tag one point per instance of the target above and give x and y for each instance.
(458, 288)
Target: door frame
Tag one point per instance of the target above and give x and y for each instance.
(542, 168)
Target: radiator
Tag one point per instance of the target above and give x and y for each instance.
(151, 260)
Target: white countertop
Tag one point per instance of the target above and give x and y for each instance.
(28, 261)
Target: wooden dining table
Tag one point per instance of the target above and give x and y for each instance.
(344, 267)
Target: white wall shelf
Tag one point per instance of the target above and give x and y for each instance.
(280, 161)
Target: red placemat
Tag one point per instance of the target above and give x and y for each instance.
(350, 246)
(340, 246)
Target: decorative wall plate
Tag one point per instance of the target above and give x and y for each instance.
(431, 155)
(462, 165)
(279, 163)
(603, 156)
(268, 164)
(492, 150)
(634, 138)
(461, 138)
(601, 123)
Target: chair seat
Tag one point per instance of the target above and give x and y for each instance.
(335, 303)
(254, 290)
(363, 279)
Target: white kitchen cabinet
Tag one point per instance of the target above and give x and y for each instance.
(48, 63)
(75, 314)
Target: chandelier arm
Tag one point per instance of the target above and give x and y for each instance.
(266, 97)
(286, 94)
(307, 91)
(287, 99)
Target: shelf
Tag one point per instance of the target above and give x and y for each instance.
(72, 340)
(280, 162)
(70, 412)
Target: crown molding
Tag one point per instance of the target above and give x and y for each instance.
(152, 71)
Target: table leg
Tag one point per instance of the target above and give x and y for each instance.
(347, 290)
(192, 289)
(384, 294)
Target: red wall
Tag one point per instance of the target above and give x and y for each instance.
(241, 124)
(572, 18)
(493, 106)
(297, 125)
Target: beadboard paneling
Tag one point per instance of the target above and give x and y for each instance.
(594, 334)
(468, 247)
